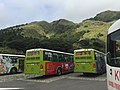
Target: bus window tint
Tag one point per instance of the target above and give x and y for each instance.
(66, 57)
(5, 57)
(70, 58)
(13, 59)
(47, 55)
(61, 59)
(117, 48)
(83, 53)
(114, 48)
(78, 53)
(54, 57)
(33, 53)
(57, 57)
(97, 56)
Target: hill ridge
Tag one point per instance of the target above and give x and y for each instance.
(61, 35)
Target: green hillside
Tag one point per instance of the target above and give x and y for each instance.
(107, 16)
(62, 35)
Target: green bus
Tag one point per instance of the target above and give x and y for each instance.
(89, 61)
(47, 62)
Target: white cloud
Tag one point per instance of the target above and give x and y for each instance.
(14, 12)
(78, 10)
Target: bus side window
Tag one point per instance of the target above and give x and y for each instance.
(50, 56)
(55, 57)
(95, 56)
(5, 58)
(13, 59)
(70, 58)
(65, 57)
(47, 55)
(61, 58)
(101, 58)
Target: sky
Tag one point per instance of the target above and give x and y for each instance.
(15, 12)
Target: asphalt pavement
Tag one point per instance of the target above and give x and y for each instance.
(72, 81)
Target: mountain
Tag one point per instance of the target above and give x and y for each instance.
(62, 25)
(107, 16)
(35, 35)
(62, 35)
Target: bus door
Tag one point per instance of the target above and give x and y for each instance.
(32, 63)
(21, 64)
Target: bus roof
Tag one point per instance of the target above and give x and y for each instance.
(84, 50)
(88, 50)
(114, 27)
(38, 49)
(12, 55)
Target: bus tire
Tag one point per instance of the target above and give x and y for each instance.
(13, 70)
(59, 71)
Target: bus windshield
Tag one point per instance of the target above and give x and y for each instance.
(83, 55)
(33, 55)
(113, 48)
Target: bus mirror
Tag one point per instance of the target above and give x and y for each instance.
(108, 53)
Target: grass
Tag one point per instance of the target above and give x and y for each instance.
(94, 29)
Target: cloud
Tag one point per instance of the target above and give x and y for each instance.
(78, 10)
(21, 11)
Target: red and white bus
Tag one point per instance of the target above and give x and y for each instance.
(48, 62)
(113, 57)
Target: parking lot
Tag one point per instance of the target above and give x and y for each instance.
(64, 82)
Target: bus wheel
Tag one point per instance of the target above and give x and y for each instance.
(59, 71)
(13, 70)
